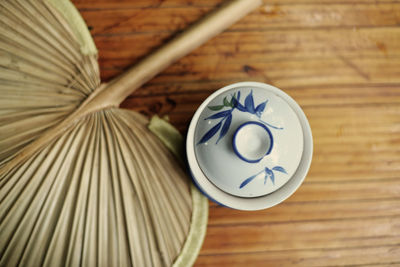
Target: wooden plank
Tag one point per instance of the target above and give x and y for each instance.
(342, 233)
(323, 42)
(124, 4)
(294, 72)
(237, 47)
(361, 256)
(170, 19)
(307, 211)
(290, 72)
(344, 191)
(309, 96)
(181, 98)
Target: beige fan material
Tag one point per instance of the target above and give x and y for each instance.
(82, 182)
(46, 72)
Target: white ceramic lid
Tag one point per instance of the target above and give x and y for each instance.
(247, 140)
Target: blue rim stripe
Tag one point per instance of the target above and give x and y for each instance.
(237, 151)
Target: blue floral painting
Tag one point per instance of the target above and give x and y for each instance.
(267, 173)
(225, 116)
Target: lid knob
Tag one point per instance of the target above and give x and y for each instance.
(252, 141)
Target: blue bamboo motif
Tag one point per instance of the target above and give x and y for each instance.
(226, 115)
(267, 173)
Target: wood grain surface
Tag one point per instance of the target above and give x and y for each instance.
(340, 60)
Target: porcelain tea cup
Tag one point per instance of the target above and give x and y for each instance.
(249, 146)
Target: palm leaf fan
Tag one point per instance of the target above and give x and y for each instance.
(83, 182)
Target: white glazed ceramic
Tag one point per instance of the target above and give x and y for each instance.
(249, 146)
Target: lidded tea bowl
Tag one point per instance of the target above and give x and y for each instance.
(249, 146)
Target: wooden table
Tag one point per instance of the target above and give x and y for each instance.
(341, 61)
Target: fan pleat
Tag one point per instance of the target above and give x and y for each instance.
(27, 201)
(133, 171)
(37, 27)
(148, 157)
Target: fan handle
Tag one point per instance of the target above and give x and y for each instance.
(212, 24)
